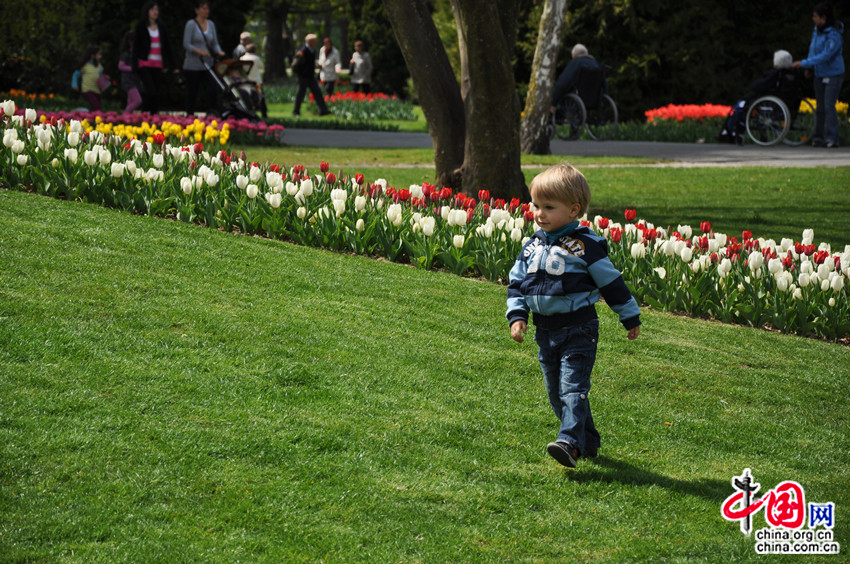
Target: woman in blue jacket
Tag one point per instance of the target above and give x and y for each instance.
(827, 60)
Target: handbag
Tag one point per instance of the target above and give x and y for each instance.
(104, 82)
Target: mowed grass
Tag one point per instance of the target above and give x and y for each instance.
(174, 393)
(772, 202)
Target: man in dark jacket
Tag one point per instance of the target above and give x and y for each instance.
(304, 67)
(568, 80)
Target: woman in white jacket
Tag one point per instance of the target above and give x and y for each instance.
(361, 69)
(328, 64)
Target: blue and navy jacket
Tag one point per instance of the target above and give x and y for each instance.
(825, 51)
(561, 280)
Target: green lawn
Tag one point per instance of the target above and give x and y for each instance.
(174, 393)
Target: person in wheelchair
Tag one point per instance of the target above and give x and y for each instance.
(582, 69)
(781, 81)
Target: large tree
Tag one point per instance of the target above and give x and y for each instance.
(534, 137)
(474, 127)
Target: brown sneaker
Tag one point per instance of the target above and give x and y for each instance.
(563, 452)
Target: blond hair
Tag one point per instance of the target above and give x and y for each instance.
(563, 183)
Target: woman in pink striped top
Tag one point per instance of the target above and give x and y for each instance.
(151, 53)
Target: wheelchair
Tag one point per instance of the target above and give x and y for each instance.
(772, 120)
(588, 107)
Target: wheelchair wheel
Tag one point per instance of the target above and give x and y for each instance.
(569, 118)
(768, 121)
(602, 122)
(803, 127)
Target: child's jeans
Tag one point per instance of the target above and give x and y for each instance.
(567, 356)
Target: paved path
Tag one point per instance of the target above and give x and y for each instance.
(681, 154)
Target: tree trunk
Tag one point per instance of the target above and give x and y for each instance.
(435, 82)
(275, 67)
(534, 137)
(492, 107)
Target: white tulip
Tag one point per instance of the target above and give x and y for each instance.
(339, 207)
(291, 188)
(130, 166)
(721, 239)
(685, 231)
(158, 160)
(458, 241)
(241, 181)
(394, 214)
(824, 285)
(661, 272)
(198, 181)
(275, 200)
(8, 107)
(823, 271)
(806, 266)
(360, 225)
(23, 160)
(90, 157)
(785, 244)
(10, 137)
(755, 260)
(416, 191)
(255, 174)
(428, 224)
(301, 213)
(339, 194)
(687, 254)
(775, 265)
(359, 203)
(803, 280)
(117, 170)
(516, 235)
(30, 115)
(798, 294)
(782, 282)
(457, 217)
(105, 157)
(251, 191)
(274, 179)
(638, 250)
(71, 155)
(211, 179)
(382, 183)
(837, 283)
(307, 187)
(831, 302)
(186, 185)
(444, 212)
(808, 236)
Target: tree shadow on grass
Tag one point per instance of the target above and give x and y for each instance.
(609, 470)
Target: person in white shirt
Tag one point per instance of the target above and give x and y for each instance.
(361, 69)
(255, 75)
(328, 64)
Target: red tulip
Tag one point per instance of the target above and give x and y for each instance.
(274, 168)
(703, 243)
(616, 234)
(330, 178)
(484, 195)
(199, 148)
(631, 215)
(705, 226)
(358, 178)
(747, 235)
(158, 138)
(324, 167)
(820, 256)
(603, 222)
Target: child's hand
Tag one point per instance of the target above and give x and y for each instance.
(633, 333)
(518, 329)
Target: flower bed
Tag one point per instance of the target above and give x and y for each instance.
(794, 286)
(171, 128)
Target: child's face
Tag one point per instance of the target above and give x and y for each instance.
(552, 215)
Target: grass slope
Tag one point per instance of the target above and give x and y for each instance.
(174, 393)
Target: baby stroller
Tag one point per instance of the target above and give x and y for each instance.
(240, 98)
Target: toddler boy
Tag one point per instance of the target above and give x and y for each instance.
(559, 275)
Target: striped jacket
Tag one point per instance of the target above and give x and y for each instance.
(561, 281)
